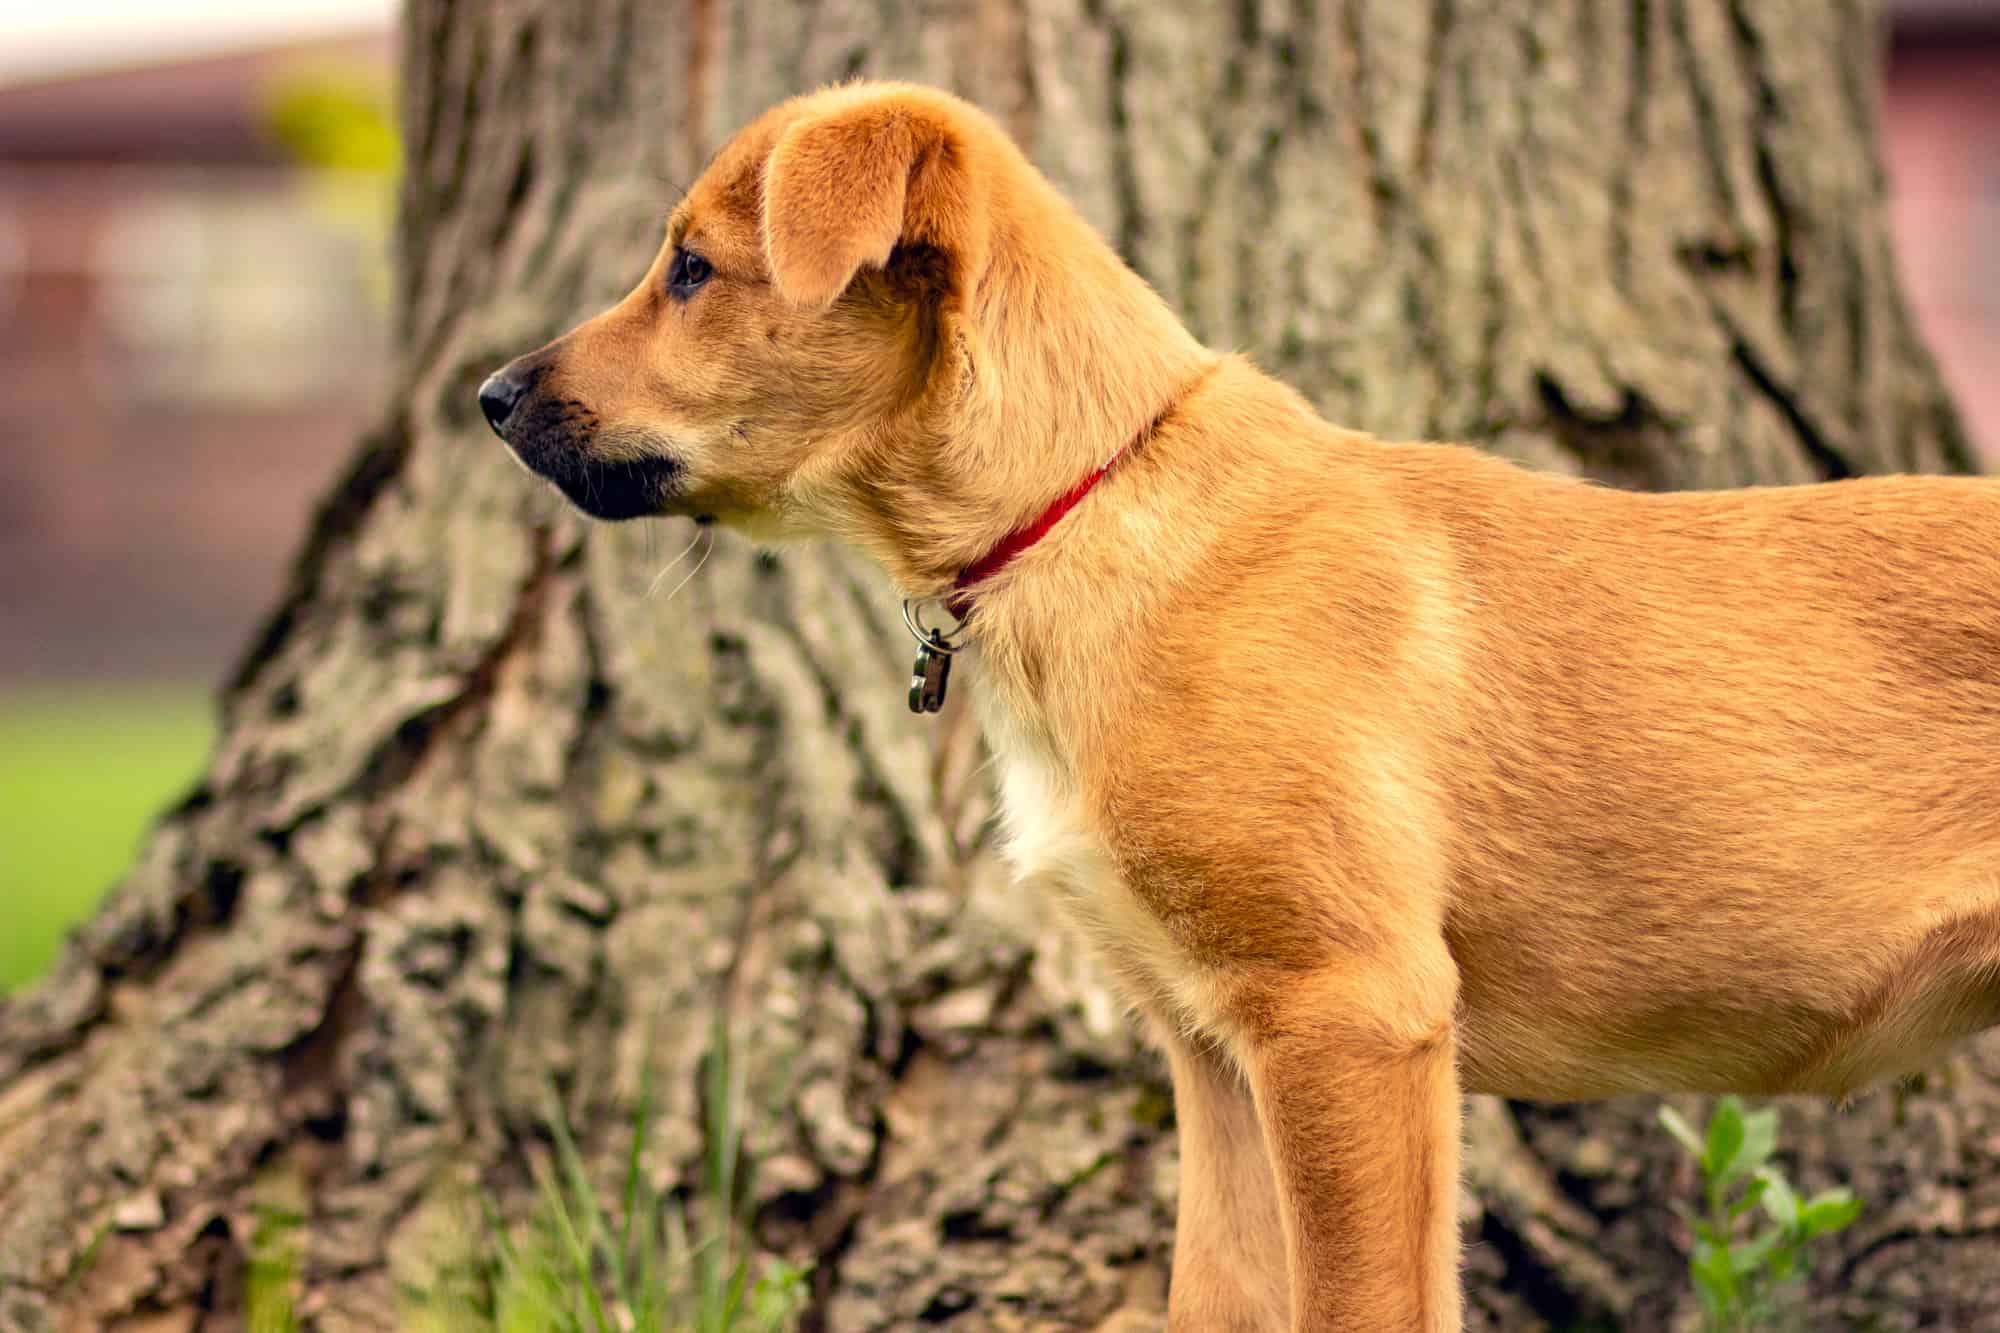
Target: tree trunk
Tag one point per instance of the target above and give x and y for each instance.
(505, 802)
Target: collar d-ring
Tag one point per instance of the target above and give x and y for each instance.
(937, 639)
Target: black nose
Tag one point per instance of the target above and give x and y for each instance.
(499, 394)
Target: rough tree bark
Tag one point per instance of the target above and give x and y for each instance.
(492, 808)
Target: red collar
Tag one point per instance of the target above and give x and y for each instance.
(1021, 538)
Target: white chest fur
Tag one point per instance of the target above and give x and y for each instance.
(1052, 843)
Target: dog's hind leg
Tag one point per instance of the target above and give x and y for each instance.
(1229, 1243)
(1357, 1091)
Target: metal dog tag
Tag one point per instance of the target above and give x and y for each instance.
(930, 675)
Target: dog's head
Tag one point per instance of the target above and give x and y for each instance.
(792, 330)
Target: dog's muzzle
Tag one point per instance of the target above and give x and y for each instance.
(552, 438)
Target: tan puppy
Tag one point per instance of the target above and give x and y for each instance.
(1378, 772)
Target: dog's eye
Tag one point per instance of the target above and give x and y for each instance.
(688, 271)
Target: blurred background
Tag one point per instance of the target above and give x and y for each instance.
(195, 210)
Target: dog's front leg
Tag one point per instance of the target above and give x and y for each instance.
(1357, 1090)
(1229, 1245)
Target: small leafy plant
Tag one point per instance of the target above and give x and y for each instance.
(1745, 1274)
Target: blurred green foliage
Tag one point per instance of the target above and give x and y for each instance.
(335, 118)
(338, 122)
(83, 772)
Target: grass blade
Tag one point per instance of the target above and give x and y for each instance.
(575, 1251)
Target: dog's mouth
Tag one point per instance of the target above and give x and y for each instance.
(610, 489)
(635, 488)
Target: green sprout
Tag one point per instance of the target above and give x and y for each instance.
(1747, 1275)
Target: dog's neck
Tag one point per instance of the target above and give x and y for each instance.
(1053, 371)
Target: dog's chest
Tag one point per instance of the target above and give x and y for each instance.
(1055, 849)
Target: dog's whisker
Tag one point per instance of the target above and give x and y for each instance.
(668, 568)
(680, 190)
(706, 551)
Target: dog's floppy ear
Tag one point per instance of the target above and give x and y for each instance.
(843, 189)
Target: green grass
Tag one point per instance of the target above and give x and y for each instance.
(592, 1261)
(83, 772)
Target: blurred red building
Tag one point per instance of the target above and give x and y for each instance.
(193, 331)
(191, 340)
